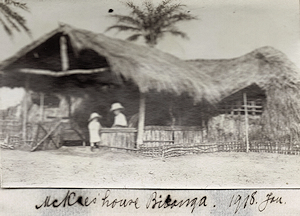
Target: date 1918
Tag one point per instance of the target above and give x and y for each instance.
(239, 202)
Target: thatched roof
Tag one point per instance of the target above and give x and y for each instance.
(272, 72)
(97, 59)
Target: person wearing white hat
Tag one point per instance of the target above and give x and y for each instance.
(120, 119)
(94, 129)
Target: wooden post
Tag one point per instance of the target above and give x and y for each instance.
(65, 64)
(24, 116)
(253, 106)
(141, 123)
(64, 53)
(42, 99)
(25, 110)
(246, 121)
(69, 106)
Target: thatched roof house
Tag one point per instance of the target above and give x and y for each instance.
(68, 60)
(267, 74)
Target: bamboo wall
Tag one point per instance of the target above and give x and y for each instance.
(225, 128)
(12, 129)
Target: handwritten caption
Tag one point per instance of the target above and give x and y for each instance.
(237, 202)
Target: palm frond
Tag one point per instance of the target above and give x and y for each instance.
(182, 17)
(149, 6)
(149, 12)
(12, 23)
(134, 37)
(161, 6)
(136, 11)
(123, 28)
(126, 19)
(170, 9)
(13, 18)
(176, 32)
(175, 18)
(170, 14)
(17, 4)
(5, 27)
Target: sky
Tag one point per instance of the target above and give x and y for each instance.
(224, 28)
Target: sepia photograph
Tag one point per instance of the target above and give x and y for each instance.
(150, 94)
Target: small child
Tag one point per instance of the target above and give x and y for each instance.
(94, 129)
(120, 119)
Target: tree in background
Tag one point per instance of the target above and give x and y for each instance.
(10, 19)
(152, 22)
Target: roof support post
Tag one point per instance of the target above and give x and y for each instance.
(25, 110)
(42, 99)
(246, 121)
(64, 53)
(65, 63)
(141, 123)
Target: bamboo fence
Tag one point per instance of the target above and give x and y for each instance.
(191, 148)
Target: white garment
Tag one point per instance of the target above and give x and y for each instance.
(120, 120)
(94, 129)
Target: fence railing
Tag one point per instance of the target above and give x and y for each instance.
(275, 147)
(191, 148)
(184, 149)
(119, 137)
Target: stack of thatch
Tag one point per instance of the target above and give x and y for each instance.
(275, 74)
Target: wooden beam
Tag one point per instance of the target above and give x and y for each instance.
(62, 73)
(113, 147)
(50, 137)
(68, 98)
(42, 100)
(47, 135)
(141, 123)
(64, 53)
(158, 140)
(65, 64)
(246, 121)
(253, 107)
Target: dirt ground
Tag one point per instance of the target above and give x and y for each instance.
(79, 167)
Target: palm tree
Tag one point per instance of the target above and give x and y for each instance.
(10, 19)
(152, 22)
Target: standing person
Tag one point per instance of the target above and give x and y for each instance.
(120, 119)
(94, 130)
